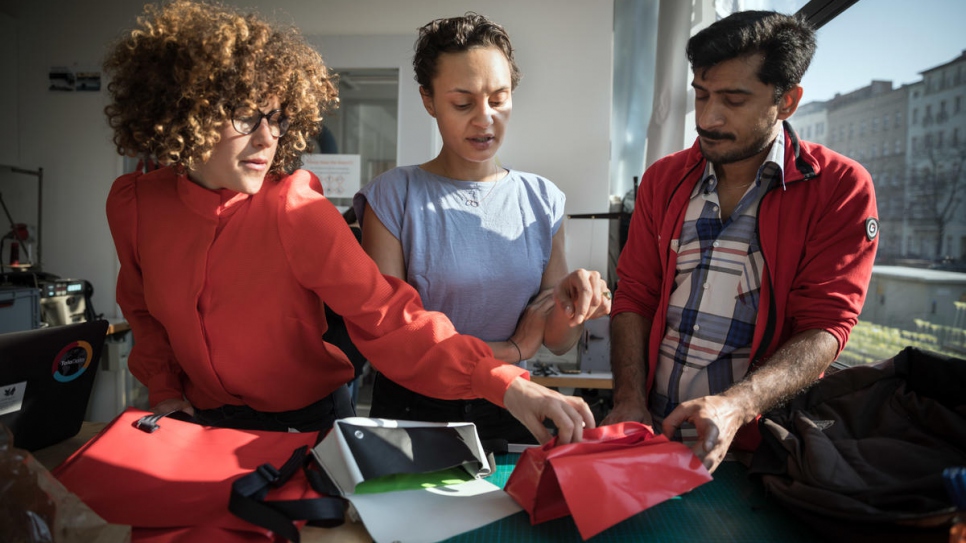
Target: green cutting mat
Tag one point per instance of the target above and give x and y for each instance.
(730, 508)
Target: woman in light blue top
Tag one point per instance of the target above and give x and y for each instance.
(481, 243)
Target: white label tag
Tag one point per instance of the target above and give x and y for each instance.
(11, 397)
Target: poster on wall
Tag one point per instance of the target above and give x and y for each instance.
(63, 78)
(340, 174)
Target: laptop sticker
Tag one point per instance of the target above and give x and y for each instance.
(72, 361)
(11, 397)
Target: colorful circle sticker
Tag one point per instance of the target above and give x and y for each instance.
(72, 361)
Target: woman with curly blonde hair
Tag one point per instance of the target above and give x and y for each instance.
(229, 254)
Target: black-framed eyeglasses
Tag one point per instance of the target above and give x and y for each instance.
(246, 120)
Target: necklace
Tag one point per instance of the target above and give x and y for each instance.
(472, 202)
(469, 200)
(735, 188)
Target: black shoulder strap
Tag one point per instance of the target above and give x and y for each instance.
(248, 499)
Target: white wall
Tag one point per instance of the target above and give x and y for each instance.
(560, 125)
(8, 92)
(66, 135)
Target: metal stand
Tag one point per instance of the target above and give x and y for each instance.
(39, 174)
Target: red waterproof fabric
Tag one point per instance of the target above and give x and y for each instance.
(616, 472)
(174, 484)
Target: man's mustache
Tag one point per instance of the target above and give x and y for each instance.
(714, 135)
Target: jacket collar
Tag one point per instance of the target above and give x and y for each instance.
(806, 167)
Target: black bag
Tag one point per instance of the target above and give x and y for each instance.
(862, 452)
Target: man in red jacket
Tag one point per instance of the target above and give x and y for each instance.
(749, 254)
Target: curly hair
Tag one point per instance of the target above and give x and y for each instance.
(787, 43)
(455, 35)
(179, 72)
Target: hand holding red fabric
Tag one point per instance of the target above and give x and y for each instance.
(532, 404)
(716, 419)
(553, 480)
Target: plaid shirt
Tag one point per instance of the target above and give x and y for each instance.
(714, 304)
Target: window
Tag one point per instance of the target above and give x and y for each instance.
(365, 124)
(871, 81)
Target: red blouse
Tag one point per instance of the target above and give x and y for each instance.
(224, 293)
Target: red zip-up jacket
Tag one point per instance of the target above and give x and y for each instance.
(818, 236)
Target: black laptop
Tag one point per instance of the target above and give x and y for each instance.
(46, 378)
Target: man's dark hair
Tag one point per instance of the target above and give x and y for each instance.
(786, 42)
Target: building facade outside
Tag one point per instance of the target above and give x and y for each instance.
(869, 125)
(912, 140)
(937, 150)
(811, 122)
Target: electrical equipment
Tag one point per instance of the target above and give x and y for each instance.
(63, 301)
(50, 288)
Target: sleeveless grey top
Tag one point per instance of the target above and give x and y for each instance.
(474, 251)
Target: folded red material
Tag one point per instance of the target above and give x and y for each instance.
(616, 472)
(174, 484)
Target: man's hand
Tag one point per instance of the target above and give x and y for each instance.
(716, 419)
(794, 366)
(532, 404)
(173, 404)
